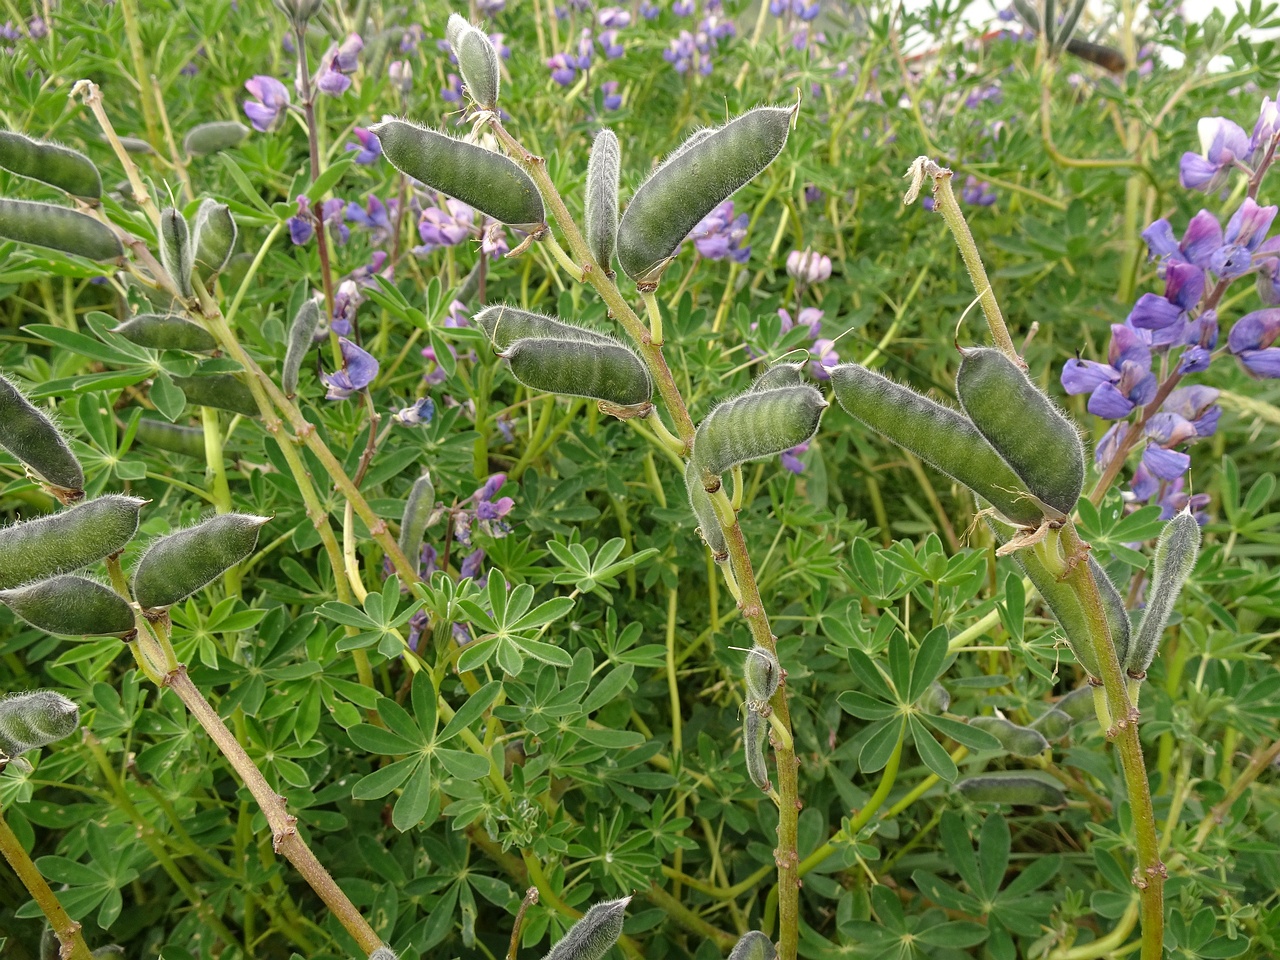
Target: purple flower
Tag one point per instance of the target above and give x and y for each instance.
(810, 317)
(719, 234)
(824, 358)
(586, 49)
(1197, 404)
(369, 148)
(358, 371)
(808, 267)
(1164, 431)
(458, 315)
(680, 51)
(346, 300)
(1201, 336)
(649, 10)
(491, 487)
(417, 626)
(1264, 131)
(977, 193)
(791, 458)
(10, 33)
(1110, 444)
(400, 73)
(490, 7)
(412, 36)
(1199, 243)
(266, 111)
(340, 60)
(610, 45)
(333, 212)
(1174, 501)
(471, 565)
(37, 29)
(493, 244)
(1124, 382)
(302, 226)
(1246, 230)
(1251, 339)
(444, 227)
(452, 90)
(1167, 315)
(1222, 144)
(682, 8)
(812, 195)
(612, 99)
(562, 68)
(613, 18)
(372, 216)
(419, 412)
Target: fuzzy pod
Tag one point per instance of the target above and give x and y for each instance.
(577, 368)
(206, 138)
(601, 214)
(779, 375)
(505, 325)
(477, 62)
(177, 565)
(593, 935)
(383, 953)
(58, 228)
(754, 946)
(177, 252)
(68, 540)
(136, 145)
(493, 184)
(761, 673)
(692, 183)
(708, 522)
(1024, 426)
(1019, 741)
(167, 332)
(222, 390)
(1012, 788)
(302, 334)
(28, 434)
(214, 236)
(1113, 606)
(756, 425)
(50, 163)
(71, 606)
(172, 437)
(935, 699)
(1053, 723)
(32, 720)
(942, 437)
(1078, 704)
(755, 733)
(1176, 552)
(417, 511)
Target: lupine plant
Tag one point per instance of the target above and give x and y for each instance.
(541, 465)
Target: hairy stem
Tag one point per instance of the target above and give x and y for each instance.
(66, 929)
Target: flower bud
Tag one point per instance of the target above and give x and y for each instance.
(708, 522)
(172, 437)
(177, 253)
(755, 732)
(754, 946)
(1176, 552)
(221, 390)
(1019, 741)
(214, 236)
(1078, 704)
(761, 674)
(66, 541)
(176, 566)
(1054, 724)
(477, 62)
(506, 324)
(579, 368)
(417, 512)
(32, 720)
(756, 425)
(214, 137)
(1012, 788)
(166, 332)
(779, 375)
(302, 334)
(50, 163)
(592, 936)
(58, 228)
(28, 434)
(71, 606)
(601, 214)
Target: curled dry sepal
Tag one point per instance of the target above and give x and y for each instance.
(592, 936)
(32, 720)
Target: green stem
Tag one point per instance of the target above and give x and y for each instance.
(66, 929)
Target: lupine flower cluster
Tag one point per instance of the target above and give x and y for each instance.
(696, 49)
(719, 235)
(610, 21)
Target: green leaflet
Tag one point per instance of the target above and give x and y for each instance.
(754, 946)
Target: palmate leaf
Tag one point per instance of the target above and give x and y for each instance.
(931, 752)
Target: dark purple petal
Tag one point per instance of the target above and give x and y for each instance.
(1184, 283)
(361, 367)
(1154, 312)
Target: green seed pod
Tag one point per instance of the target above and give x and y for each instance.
(176, 566)
(58, 228)
(779, 375)
(692, 183)
(206, 138)
(940, 436)
(302, 334)
(1023, 425)
(592, 936)
(383, 953)
(936, 699)
(477, 62)
(177, 252)
(453, 30)
(1053, 723)
(755, 732)
(708, 522)
(214, 236)
(31, 436)
(417, 511)
(1019, 741)
(761, 674)
(488, 181)
(1113, 606)
(172, 437)
(506, 324)
(1012, 788)
(32, 720)
(756, 425)
(71, 606)
(1176, 552)
(50, 163)
(135, 145)
(1078, 704)
(601, 214)
(754, 946)
(221, 390)
(577, 368)
(66, 541)
(166, 332)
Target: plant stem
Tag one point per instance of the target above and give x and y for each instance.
(139, 57)
(66, 929)
(307, 95)
(530, 898)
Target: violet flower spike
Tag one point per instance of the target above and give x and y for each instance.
(1121, 384)
(359, 369)
(1222, 144)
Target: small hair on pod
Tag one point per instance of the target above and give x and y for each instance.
(302, 334)
(705, 513)
(601, 213)
(762, 674)
(593, 935)
(214, 236)
(505, 324)
(578, 368)
(1176, 552)
(51, 163)
(28, 433)
(755, 733)
(222, 390)
(66, 541)
(383, 953)
(177, 565)
(71, 606)
(166, 332)
(1019, 789)
(756, 425)
(177, 252)
(754, 946)
(29, 721)
(477, 61)
(417, 512)
(58, 228)
(1019, 741)
(214, 137)
(779, 375)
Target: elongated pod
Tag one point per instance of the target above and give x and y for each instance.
(1176, 552)
(754, 946)
(940, 436)
(756, 425)
(594, 934)
(1054, 723)
(755, 733)
(708, 523)
(214, 236)
(32, 720)
(66, 541)
(577, 368)
(417, 511)
(50, 163)
(57, 228)
(302, 333)
(692, 183)
(1113, 606)
(1026, 429)
(1078, 704)
(488, 181)
(176, 566)
(1019, 741)
(1012, 788)
(177, 253)
(28, 434)
(167, 332)
(221, 390)
(779, 375)
(506, 324)
(72, 607)
(173, 437)
(213, 137)
(477, 62)
(761, 674)
(601, 212)
(135, 145)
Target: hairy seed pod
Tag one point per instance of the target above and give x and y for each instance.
(31, 436)
(302, 334)
(1105, 57)
(488, 181)
(592, 936)
(940, 436)
(754, 946)
(692, 183)
(1024, 426)
(214, 236)
(601, 214)
(1176, 552)
(935, 699)
(383, 953)
(135, 145)
(755, 732)
(71, 606)
(50, 163)
(708, 522)
(779, 375)
(1113, 606)
(506, 324)
(756, 425)
(206, 138)
(32, 720)
(176, 566)
(177, 252)
(577, 368)
(1019, 741)
(173, 437)
(1053, 723)
(58, 228)
(221, 390)
(66, 541)
(477, 62)
(761, 674)
(1078, 704)
(417, 511)
(166, 332)
(1012, 788)
(453, 30)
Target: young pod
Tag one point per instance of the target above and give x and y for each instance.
(177, 253)
(1113, 606)
(593, 935)
(135, 145)
(692, 183)
(28, 434)
(1054, 723)
(302, 334)
(32, 720)
(383, 953)
(176, 566)
(779, 375)
(756, 425)
(578, 368)
(1176, 552)
(477, 62)
(1024, 426)
(755, 733)
(171, 437)
(166, 332)
(222, 390)
(505, 325)
(762, 674)
(488, 181)
(1021, 790)
(214, 137)
(705, 513)
(71, 606)
(50, 163)
(66, 541)
(940, 436)
(1078, 704)
(417, 511)
(1019, 741)
(58, 228)
(754, 946)
(214, 236)
(601, 213)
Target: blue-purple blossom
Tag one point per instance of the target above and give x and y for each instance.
(812, 195)
(1251, 339)
(680, 51)
(37, 29)
(1121, 384)
(810, 317)
(493, 242)
(720, 234)
(805, 10)
(471, 565)
(333, 212)
(682, 8)
(613, 18)
(977, 192)
(489, 7)
(1245, 232)
(444, 226)
(266, 111)
(338, 62)
(411, 37)
(791, 458)
(649, 10)
(1174, 500)
(452, 90)
(374, 216)
(346, 300)
(1166, 316)
(1202, 239)
(610, 44)
(1200, 337)
(612, 100)
(1164, 431)
(302, 225)
(368, 148)
(417, 413)
(1198, 405)
(1223, 144)
(563, 68)
(358, 371)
